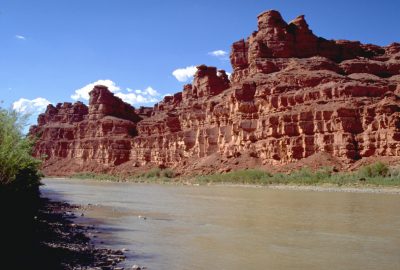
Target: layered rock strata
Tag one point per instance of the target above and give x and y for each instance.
(79, 137)
(292, 95)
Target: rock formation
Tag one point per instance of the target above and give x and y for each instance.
(74, 137)
(292, 96)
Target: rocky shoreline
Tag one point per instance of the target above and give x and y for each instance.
(73, 239)
(63, 244)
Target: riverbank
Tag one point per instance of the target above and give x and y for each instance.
(373, 178)
(48, 238)
(375, 175)
(355, 188)
(332, 188)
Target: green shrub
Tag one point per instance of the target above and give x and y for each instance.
(374, 170)
(19, 171)
(159, 173)
(394, 172)
(251, 176)
(97, 176)
(167, 173)
(156, 172)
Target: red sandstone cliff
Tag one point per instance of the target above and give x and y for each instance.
(293, 97)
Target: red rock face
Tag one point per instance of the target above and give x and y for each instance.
(74, 137)
(292, 95)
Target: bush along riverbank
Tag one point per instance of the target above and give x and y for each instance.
(19, 189)
(377, 174)
(35, 232)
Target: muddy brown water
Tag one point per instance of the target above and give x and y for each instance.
(223, 227)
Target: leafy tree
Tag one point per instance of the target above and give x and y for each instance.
(19, 171)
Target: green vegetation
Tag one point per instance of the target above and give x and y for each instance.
(97, 176)
(154, 175)
(252, 176)
(19, 171)
(377, 174)
(378, 169)
(158, 173)
(19, 187)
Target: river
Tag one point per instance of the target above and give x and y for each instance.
(226, 227)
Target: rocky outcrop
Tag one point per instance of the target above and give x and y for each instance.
(292, 96)
(74, 137)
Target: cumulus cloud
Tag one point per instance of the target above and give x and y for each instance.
(148, 95)
(30, 106)
(218, 53)
(20, 37)
(135, 99)
(148, 92)
(184, 74)
(83, 93)
(129, 95)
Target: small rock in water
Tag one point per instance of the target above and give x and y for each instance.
(82, 215)
(136, 267)
(124, 250)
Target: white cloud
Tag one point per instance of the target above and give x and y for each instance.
(20, 37)
(137, 97)
(218, 53)
(147, 92)
(33, 106)
(129, 95)
(83, 93)
(134, 98)
(184, 74)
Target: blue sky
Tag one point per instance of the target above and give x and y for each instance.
(51, 48)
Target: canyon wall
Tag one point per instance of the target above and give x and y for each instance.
(292, 96)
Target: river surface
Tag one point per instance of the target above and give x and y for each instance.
(223, 227)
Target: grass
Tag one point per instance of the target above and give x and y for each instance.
(251, 176)
(154, 175)
(158, 173)
(97, 176)
(377, 174)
